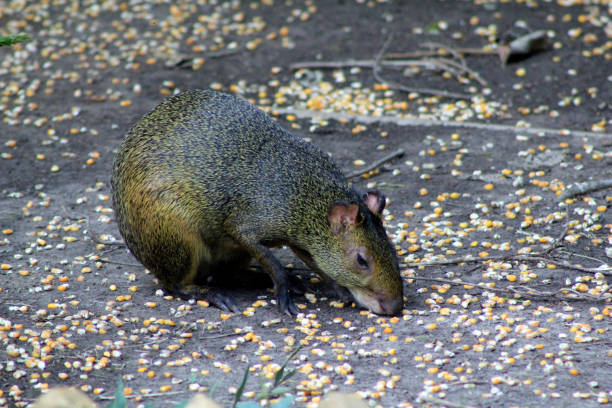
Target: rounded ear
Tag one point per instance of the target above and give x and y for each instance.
(375, 201)
(343, 215)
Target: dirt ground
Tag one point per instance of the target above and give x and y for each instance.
(507, 283)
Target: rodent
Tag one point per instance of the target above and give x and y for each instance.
(206, 181)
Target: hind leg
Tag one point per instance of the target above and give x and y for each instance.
(213, 274)
(214, 296)
(173, 251)
(194, 284)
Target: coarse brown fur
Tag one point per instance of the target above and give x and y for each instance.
(206, 181)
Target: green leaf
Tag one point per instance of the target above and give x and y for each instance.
(432, 28)
(277, 392)
(265, 393)
(278, 377)
(182, 404)
(13, 39)
(242, 385)
(248, 404)
(120, 400)
(213, 389)
(289, 375)
(285, 402)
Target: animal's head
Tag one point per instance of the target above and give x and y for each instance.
(360, 256)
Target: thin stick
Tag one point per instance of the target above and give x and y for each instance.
(445, 51)
(220, 336)
(583, 188)
(524, 292)
(537, 257)
(467, 259)
(115, 262)
(463, 68)
(400, 87)
(99, 241)
(152, 395)
(559, 241)
(363, 63)
(435, 63)
(411, 121)
(222, 53)
(438, 401)
(582, 256)
(95, 239)
(607, 272)
(367, 169)
(449, 50)
(351, 63)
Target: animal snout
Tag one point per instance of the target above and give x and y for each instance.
(391, 306)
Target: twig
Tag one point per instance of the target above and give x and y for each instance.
(390, 156)
(438, 63)
(411, 121)
(151, 395)
(520, 291)
(467, 382)
(368, 63)
(467, 259)
(94, 238)
(536, 257)
(582, 256)
(220, 336)
(400, 87)
(444, 51)
(464, 68)
(107, 251)
(559, 241)
(482, 286)
(99, 241)
(364, 63)
(439, 401)
(583, 188)
(222, 53)
(115, 262)
(462, 64)
(449, 50)
(186, 61)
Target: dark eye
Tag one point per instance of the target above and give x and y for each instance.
(361, 261)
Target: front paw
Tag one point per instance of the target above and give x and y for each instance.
(215, 297)
(285, 303)
(222, 300)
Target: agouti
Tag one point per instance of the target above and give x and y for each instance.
(206, 181)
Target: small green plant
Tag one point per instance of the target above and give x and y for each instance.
(13, 39)
(269, 391)
(120, 400)
(272, 390)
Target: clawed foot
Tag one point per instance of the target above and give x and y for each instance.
(222, 300)
(215, 297)
(285, 303)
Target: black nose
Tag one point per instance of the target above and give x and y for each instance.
(392, 306)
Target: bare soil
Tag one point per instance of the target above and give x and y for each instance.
(526, 324)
